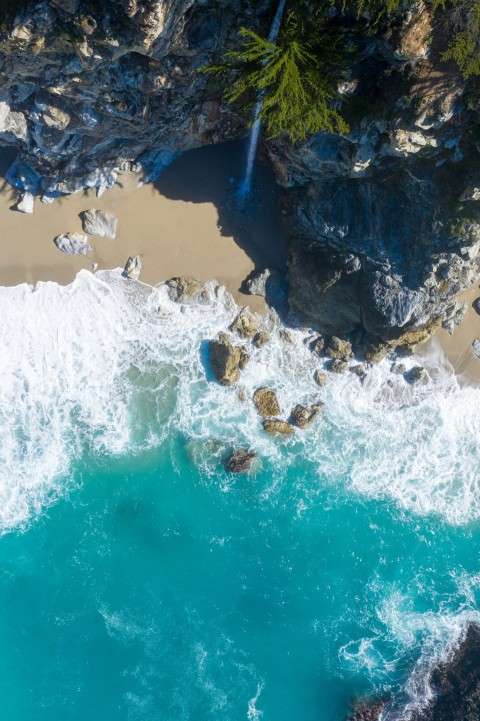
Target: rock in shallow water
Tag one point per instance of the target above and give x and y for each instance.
(187, 290)
(415, 375)
(302, 416)
(73, 244)
(99, 223)
(226, 360)
(246, 324)
(275, 425)
(266, 402)
(320, 378)
(240, 461)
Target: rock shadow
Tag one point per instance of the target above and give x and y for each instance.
(212, 174)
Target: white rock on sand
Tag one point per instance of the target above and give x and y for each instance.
(133, 267)
(73, 243)
(99, 223)
(25, 204)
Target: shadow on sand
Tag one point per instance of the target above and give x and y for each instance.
(212, 175)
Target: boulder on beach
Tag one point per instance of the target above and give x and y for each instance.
(256, 283)
(73, 243)
(246, 324)
(226, 360)
(275, 425)
(187, 290)
(25, 203)
(266, 402)
(133, 267)
(240, 461)
(260, 339)
(99, 223)
(302, 416)
(476, 348)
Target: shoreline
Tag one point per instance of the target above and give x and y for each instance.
(173, 236)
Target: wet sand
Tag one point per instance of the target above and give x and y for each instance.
(458, 346)
(180, 225)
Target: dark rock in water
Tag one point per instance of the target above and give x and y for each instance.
(266, 402)
(286, 336)
(374, 350)
(226, 359)
(302, 416)
(457, 684)
(339, 349)
(240, 461)
(415, 375)
(320, 378)
(246, 324)
(337, 366)
(318, 346)
(398, 369)
(260, 339)
(368, 711)
(187, 290)
(359, 370)
(275, 425)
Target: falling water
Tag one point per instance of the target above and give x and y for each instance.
(255, 134)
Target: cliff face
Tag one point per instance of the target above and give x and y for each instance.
(87, 85)
(384, 226)
(383, 222)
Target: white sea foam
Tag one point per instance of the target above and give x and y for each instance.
(111, 365)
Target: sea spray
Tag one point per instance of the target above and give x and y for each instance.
(351, 553)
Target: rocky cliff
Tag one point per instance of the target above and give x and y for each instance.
(456, 687)
(383, 221)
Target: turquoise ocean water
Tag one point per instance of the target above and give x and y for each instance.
(138, 580)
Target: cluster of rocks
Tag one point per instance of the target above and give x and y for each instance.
(456, 686)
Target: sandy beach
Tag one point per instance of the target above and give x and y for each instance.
(179, 225)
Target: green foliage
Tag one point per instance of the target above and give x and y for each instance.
(296, 78)
(464, 47)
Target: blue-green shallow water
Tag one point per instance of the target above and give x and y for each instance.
(152, 593)
(138, 580)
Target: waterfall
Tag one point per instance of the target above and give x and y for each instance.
(257, 124)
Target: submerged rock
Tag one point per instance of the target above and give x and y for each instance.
(133, 267)
(246, 324)
(337, 366)
(320, 378)
(275, 425)
(261, 339)
(339, 349)
(359, 370)
(99, 223)
(187, 290)
(73, 244)
(240, 461)
(302, 416)
(398, 369)
(226, 360)
(415, 375)
(266, 402)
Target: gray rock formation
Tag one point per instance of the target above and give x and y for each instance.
(133, 268)
(320, 378)
(226, 360)
(73, 244)
(99, 223)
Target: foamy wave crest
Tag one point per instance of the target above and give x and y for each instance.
(112, 366)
